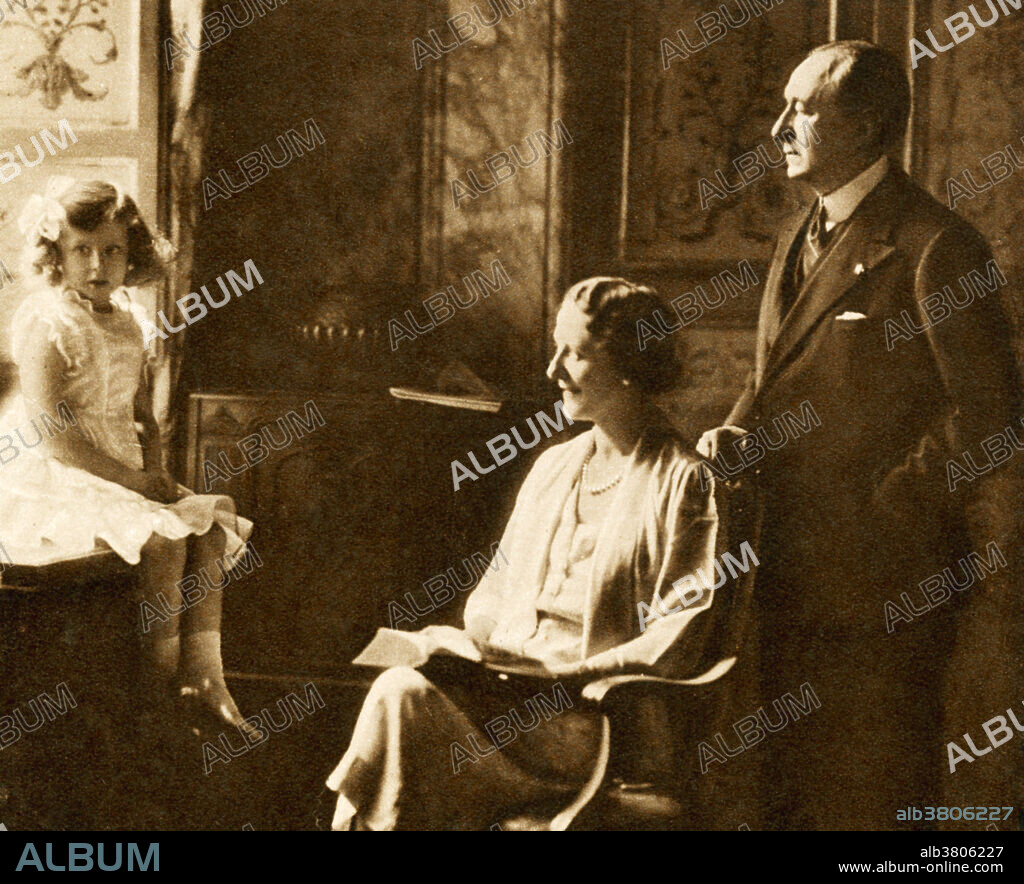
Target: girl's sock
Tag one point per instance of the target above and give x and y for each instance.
(160, 657)
(158, 666)
(202, 675)
(200, 657)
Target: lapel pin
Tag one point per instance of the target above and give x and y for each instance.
(859, 269)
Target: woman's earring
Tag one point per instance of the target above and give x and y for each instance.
(626, 382)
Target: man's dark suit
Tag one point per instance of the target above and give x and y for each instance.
(858, 510)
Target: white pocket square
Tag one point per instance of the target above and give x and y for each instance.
(848, 315)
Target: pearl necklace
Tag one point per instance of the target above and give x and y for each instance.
(607, 486)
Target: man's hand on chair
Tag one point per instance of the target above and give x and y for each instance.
(714, 440)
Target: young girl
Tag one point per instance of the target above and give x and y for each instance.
(87, 482)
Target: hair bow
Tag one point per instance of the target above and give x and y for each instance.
(164, 249)
(43, 215)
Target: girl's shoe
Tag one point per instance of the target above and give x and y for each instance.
(210, 708)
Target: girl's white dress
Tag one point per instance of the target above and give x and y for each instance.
(50, 510)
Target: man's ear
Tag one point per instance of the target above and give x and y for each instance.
(869, 130)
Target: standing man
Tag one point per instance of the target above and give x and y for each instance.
(881, 325)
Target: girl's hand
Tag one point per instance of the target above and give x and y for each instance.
(157, 485)
(169, 488)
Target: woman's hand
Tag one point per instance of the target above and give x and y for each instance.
(568, 670)
(598, 666)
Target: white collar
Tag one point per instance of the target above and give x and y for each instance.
(119, 298)
(841, 203)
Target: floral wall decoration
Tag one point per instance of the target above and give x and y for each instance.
(51, 42)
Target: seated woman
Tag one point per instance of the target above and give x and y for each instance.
(603, 526)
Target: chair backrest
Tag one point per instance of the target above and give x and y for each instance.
(730, 620)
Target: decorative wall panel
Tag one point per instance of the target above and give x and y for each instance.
(692, 115)
(497, 91)
(75, 58)
(701, 96)
(717, 363)
(975, 110)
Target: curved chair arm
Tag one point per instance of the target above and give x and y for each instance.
(596, 691)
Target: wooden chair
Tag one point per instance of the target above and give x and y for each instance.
(627, 790)
(633, 786)
(630, 789)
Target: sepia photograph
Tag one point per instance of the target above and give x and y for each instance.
(511, 415)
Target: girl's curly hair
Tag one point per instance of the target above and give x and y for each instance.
(87, 204)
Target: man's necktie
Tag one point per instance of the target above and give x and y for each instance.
(815, 242)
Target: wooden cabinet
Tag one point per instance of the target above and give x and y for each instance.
(354, 506)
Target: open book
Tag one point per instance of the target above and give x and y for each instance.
(394, 647)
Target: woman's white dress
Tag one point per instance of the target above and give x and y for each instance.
(430, 754)
(51, 510)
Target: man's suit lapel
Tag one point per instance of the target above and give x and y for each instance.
(863, 244)
(769, 318)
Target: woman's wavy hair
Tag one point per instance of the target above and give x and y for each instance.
(614, 308)
(88, 204)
